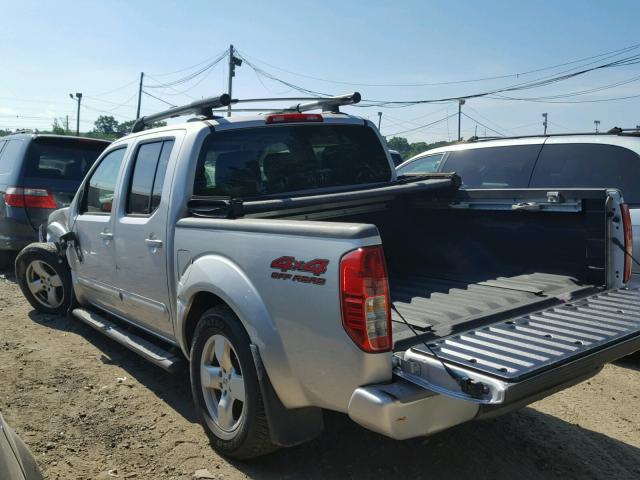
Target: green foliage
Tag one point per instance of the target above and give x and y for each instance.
(57, 128)
(408, 150)
(106, 125)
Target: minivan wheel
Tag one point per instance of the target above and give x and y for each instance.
(225, 388)
(45, 279)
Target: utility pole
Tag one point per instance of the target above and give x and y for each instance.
(460, 103)
(233, 63)
(66, 125)
(140, 95)
(544, 124)
(379, 119)
(79, 98)
(597, 124)
(475, 132)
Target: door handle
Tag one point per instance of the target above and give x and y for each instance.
(106, 235)
(153, 242)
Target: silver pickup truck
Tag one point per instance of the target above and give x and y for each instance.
(281, 257)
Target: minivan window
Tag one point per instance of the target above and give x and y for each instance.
(102, 183)
(281, 159)
(148, 177)
(10, 155)
(493, 167)
(587, 165)
(426, 164)
(62, 158)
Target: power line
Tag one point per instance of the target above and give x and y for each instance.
(422, 126)
(159, 99)
(485, 126)
(223, 52)
(454, 82)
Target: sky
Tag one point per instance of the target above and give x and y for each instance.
(51, 49)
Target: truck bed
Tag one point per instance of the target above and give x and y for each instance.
(438, 306)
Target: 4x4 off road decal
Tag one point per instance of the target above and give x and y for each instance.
(316, 267)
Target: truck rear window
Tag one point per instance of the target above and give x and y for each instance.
(61, 158)
(283, 159)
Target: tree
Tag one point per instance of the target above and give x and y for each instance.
(125, 127)
(106, 125)
(57, 128)
(400, 144)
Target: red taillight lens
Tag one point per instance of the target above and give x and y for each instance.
(364, 288)
(628, 241)
(29, 197)
(294, 117)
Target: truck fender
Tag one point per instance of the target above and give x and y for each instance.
(223, 278)
(56, 225)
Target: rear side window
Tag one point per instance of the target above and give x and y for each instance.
(282, 159)
(148, 177)
(102, 184)
(426, 164)
(589, 165)
(11, 155)
(61, 158)
(493, 167)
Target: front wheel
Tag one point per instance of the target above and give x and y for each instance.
(225, 388)
(45, 279)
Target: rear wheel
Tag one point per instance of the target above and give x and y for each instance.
(45, 279)
(225, 387)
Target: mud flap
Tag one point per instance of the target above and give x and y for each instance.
(287, 427)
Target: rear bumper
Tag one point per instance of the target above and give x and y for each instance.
(423, 399)
(401, 410)
(16, 233)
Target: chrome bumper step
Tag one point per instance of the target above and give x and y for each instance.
(517, 349)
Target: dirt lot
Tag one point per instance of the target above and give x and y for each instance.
(89, 409)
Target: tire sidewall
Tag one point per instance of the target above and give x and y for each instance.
(221, 321)
(46, 253)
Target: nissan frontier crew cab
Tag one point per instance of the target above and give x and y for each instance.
(283, 259)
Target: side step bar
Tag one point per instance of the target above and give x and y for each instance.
(146, 349)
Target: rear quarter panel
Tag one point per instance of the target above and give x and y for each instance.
(297, 326)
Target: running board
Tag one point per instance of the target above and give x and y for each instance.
(146, 349)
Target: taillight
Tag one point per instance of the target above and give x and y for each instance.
(29, 197)
(364, 289)
(294, 117)
(628, 241)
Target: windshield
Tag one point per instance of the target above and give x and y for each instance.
(281, 159)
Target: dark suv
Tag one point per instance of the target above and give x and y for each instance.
(38, 173)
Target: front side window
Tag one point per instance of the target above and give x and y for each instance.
(283, 159)
(427, 164)
(149, 169)
(101, 185)
(589, 165)
(493, 167)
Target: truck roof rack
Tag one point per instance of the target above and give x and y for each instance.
(205, 108)
(199, 107)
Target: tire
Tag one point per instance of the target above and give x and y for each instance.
(44, 278)
(241, 430)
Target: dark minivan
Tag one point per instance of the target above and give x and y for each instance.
(38, 174)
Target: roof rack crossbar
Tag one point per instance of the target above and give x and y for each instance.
(199, 107)
(328, 104)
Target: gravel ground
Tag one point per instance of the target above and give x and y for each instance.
(90, 409)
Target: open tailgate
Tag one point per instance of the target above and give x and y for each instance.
(525, 358)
